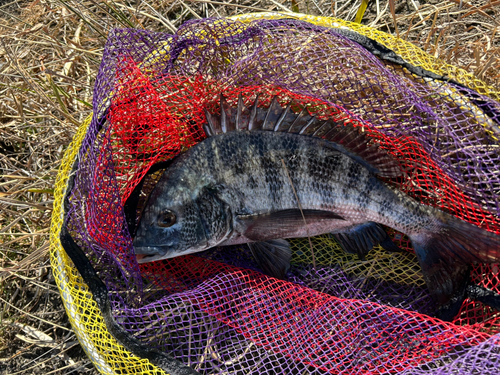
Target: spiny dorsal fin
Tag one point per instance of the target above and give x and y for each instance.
(253, 113)
(281, 121)
(272, 115)
(349, 139)
(301, 120)
(226, 115)
(210, 126)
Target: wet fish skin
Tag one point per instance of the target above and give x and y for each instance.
(224, 182)
(200, 222)
(242, 186)
(245, 172)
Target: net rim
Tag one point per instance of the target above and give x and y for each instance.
(63, 266)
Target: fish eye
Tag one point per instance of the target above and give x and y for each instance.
(166, 219)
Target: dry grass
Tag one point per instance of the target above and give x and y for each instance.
(50, 52)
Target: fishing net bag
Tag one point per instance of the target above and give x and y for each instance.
(215, 312)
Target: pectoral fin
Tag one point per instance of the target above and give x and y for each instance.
(272, 256)
(281, 224)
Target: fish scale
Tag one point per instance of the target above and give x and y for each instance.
(357, 195)
(264, 175)
(266, 167)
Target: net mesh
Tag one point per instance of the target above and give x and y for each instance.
(215, 311)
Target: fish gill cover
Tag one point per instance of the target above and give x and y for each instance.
(215, 311)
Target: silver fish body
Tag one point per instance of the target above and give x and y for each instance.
(259, 185)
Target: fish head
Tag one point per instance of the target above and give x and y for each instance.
(180, 220)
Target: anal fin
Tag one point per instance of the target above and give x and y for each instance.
(362, 238)
(446, 252)
(272, 256)
(450, 284)
(484, 295)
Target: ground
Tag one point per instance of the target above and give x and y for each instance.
(50, 52)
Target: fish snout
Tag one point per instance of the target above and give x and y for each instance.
(145, 254)
(145, 251)
(154, 245)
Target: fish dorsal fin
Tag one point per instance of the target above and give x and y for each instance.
(362, 148)
(346, 138)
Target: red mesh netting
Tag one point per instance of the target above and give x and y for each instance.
(215, 311)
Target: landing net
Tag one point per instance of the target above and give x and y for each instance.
(215, 311)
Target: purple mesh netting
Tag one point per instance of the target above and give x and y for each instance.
(481, 359)
(215, 311)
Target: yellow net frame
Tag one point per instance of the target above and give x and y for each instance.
(107, 355)
(409, 52)
(110, 357)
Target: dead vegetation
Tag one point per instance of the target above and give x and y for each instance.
(50, 52)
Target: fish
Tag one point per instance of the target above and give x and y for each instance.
(265, 175)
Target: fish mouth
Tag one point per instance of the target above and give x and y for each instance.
(145, 258)
(145, 254)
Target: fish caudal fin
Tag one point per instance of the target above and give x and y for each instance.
(446, 253)
(472, 291)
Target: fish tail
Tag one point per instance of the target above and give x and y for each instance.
(447, 251)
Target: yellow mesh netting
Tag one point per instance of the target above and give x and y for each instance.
(108, 356)
(409, 52)
(400, 268)
(106, 353)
